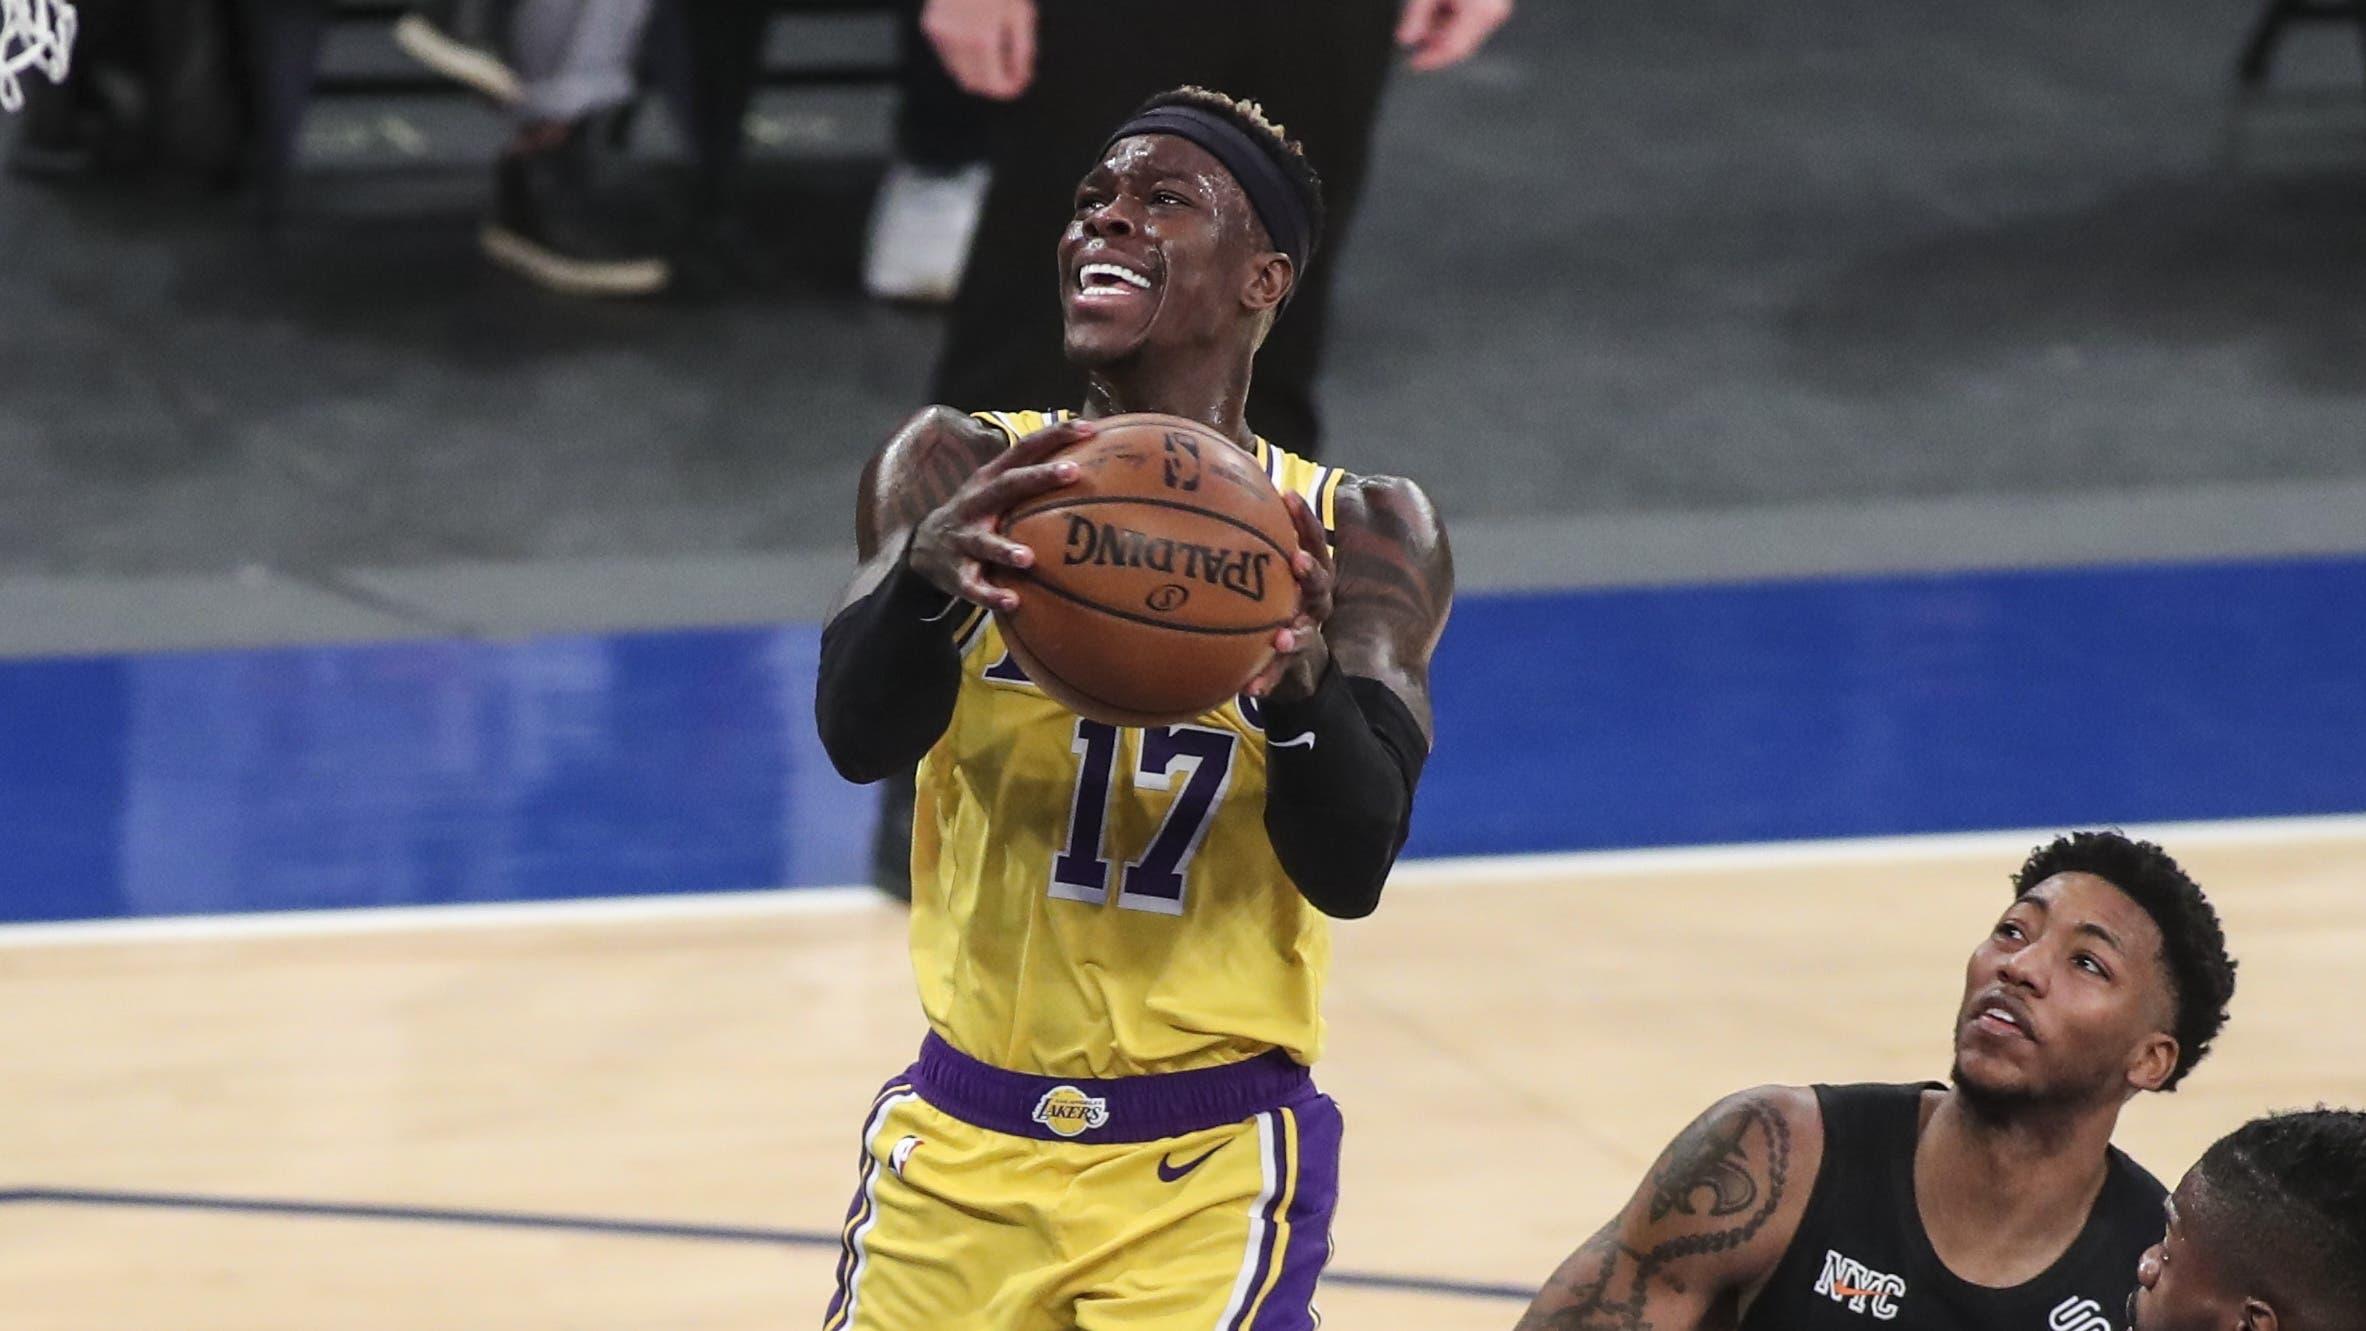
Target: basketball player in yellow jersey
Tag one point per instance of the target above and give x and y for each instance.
(1120, 934)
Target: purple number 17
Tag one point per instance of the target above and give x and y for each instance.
(1154, 881)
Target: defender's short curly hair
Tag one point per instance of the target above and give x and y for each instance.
(1250, 118)
(2294, 1185)
(2201, 974)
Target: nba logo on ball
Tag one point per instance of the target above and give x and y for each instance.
(1069, 1111)
(1182, 462)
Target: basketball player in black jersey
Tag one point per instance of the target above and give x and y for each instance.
(1996, 1202)
(2267, 1233)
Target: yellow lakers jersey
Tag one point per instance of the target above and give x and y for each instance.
(1097, 901)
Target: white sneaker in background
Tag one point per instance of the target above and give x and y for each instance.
(921, 226)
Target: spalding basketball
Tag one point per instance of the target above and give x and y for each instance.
(1160, 574)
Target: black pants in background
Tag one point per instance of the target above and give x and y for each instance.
(720, 47)
(1318, 66)
(715, 52)
(938, 127)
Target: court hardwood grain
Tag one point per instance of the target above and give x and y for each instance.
(1510, 1050)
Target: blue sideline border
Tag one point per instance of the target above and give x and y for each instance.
(685, 762)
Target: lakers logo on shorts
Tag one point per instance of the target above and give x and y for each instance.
(1069, 1111)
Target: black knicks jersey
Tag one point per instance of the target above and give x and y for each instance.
(1861, 1259)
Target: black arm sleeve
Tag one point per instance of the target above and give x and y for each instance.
(889, 675)
(1338, 806)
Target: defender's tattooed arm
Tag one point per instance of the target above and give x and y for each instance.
(1705, 1229)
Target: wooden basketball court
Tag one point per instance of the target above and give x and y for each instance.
(1511, 1041)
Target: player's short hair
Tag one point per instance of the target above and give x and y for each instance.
(2201, 974)
(2294, 1189)
(1285, 152)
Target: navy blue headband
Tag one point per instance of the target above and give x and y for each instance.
(1271, 191)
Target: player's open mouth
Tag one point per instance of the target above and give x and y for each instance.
(2004, 1020)
(1104, 282)
(1997, 1023)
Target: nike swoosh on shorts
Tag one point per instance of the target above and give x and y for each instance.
(1168, 1171)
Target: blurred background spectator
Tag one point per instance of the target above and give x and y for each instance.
(927, 209)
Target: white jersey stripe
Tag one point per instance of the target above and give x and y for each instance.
(1314, 490)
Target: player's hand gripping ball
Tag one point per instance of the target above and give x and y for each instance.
(1160, 575)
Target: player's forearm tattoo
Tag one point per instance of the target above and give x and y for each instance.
(913, 479)
(1385, 581)
(1714, 1188)
(1396, 577)
(1385, 563)
(939, 461)
(1579, 1296)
